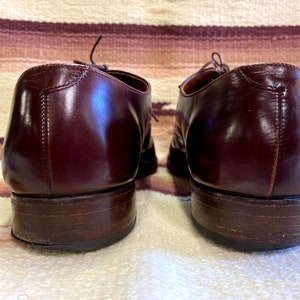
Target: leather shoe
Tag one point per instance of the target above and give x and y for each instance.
(237, 137)
(79, 135)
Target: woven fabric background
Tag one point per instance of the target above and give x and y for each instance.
(164, 41)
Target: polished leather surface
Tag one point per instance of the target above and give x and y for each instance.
(241, 130)
(75, 129)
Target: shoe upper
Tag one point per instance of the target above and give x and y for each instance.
(240, 129)
(75, 129)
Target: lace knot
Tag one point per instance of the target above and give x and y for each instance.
(93, 64)
(217, 62)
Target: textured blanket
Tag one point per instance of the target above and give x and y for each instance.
(164, 257)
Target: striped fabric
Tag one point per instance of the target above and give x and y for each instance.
(164, 42)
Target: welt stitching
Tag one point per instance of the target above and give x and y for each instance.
(244, 77)
(73, 81)
(45, 123)
(86, 70)
(51, 66)
(278, 141)
(289, 66)
(45, 137)
(69, 83)
(281, 123)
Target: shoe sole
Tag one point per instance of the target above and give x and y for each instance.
(75, 223)
(246, 223)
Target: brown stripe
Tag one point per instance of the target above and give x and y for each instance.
(165, 30)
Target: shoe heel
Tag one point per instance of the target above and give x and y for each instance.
(75, 223)
(245, 223)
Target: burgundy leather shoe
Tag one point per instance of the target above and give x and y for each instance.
(237, 134)
(78, 136)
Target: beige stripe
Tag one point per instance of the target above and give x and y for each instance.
(7, 84)
(160, 64)
(179, 12)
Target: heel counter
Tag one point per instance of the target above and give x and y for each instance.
(22, 163)
(285, 80)
(79, 131)
(25, 163)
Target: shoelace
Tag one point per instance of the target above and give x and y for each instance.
(217, 62)
(103, 67)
